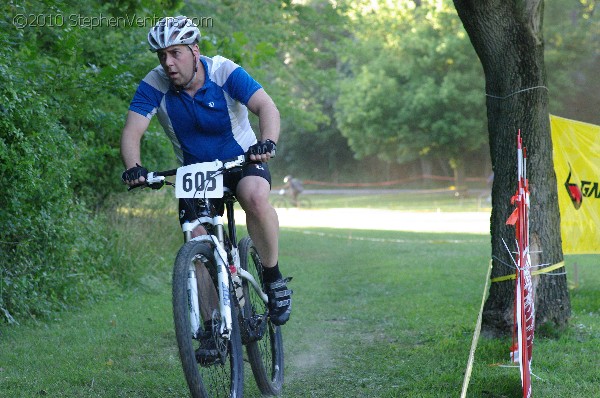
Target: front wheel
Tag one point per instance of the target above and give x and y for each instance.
(224, 376)
(264, 342)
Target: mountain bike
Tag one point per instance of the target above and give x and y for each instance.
(218, 291)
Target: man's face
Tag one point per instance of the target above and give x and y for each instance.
(178, 62)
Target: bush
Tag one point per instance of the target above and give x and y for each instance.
(64, 93)
(39, 213)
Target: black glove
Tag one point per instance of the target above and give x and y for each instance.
(263, 147)
(134, 173)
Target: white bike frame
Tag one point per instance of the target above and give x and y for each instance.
(220, 256)
(223, 280)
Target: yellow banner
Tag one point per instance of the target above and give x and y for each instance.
(576, 148)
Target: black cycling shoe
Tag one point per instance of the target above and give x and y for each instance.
(280, 301)
(207, 354)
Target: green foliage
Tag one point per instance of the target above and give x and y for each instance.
(311, 82)
(572, 56)
(291, 49)
(64, 90)
(413, 88)
(41, 254)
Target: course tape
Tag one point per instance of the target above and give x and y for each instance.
(537, 272)
(477, 331)
(475, 337)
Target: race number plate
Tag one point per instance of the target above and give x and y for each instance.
(199, 180)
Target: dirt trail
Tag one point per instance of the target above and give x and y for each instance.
(389, 220)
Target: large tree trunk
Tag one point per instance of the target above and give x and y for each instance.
(507, 37)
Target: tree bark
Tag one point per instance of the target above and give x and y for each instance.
(459, 170)
(507, 37)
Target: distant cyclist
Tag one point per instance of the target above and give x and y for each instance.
(294, 187)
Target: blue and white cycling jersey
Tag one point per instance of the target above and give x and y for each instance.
(211, 125)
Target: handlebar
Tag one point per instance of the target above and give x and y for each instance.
(156, 179)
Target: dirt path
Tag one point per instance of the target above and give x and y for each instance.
(389, 220)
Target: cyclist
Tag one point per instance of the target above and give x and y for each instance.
(202, 104)
(294, 187)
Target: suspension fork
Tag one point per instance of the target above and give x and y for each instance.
(232, 235)
(222, 264)
(231, 224)
(234, 259)
(220, 256)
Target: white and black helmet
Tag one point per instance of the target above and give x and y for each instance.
(170, 31)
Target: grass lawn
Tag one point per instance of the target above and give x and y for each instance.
(417, 200)
(376, 314)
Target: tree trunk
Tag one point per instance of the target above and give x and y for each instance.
(459, 170)
(507, 36)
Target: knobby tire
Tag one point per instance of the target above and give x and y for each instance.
(217, 380)
(265, 355)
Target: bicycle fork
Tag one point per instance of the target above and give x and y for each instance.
(223, 280)
(220, 256)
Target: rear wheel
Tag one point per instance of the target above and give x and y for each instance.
(279, 202)
(224, 377)
(304, 203)
(263, 340)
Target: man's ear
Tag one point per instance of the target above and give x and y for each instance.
(196, 49)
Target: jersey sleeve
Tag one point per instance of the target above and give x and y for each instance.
(240, 85)
(149, 94)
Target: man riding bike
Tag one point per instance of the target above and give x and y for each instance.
(202, 104)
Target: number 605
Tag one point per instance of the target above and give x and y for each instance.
(199, 181)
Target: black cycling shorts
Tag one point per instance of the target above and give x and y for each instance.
(231, 178)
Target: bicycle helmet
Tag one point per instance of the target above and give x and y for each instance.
(170, 31)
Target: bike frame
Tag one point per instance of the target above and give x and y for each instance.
(223, 276)
(237, 321)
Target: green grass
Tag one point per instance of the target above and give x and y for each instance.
(376, 314)
(415, 201)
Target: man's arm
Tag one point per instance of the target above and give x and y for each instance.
(135, 127)
(263, 106)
